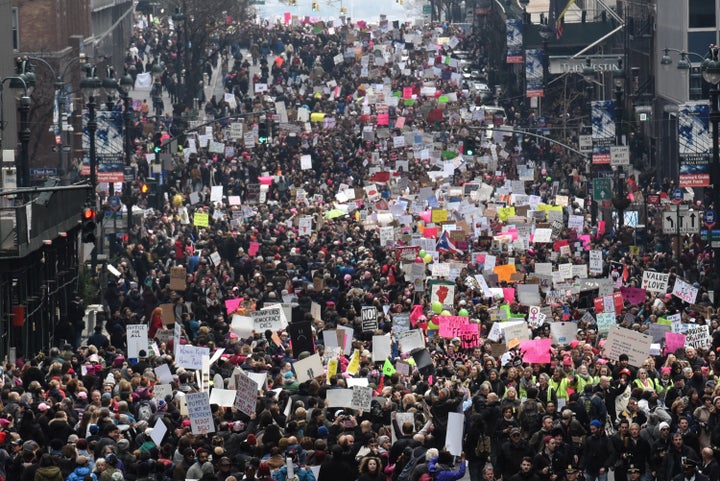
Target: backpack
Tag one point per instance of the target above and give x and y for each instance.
(144, 411)
(483, 448)
(410, 465)
(531, 417)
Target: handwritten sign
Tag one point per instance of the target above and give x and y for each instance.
(656, 282)
(198, 405)
(361, 398)
(137, 339)
(190, 357)
(626, 341)
(596, 262)
(698, 337)
(272, 318)
(605, 320)
(685, 291)
(308, 368)
(246, 393)
(201, 219)
(451, 326)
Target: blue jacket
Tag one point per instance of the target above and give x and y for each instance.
(439, 474)
(302, 474)
(79, 474)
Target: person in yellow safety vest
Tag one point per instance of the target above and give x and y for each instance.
(546, 393)
(560, 383)
(664, 383)
(642, 381)
(527, 380)
(582, 378)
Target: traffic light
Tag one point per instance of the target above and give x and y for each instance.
(315, 6)
(144, 188)
(88, 225)
(262, 132)
(157, 142)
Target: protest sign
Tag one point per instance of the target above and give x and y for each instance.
(161, 391)
(369, 318)
(308, 368)
(178, 278)
(339, 398)
(410, 340)
(243, 326)
(190, 357)
(536, 351)
(685, 291)
(626, 341)
(137, 339)
(655, 282)
(222, 397)
(451, 326)
(246, 391)
(270, 318)
(302, 338)
(361, 398)
(563, 332)
(198, 406)
(596, 262)
(400, 321)
(605, 320)
(469, 335)
(657, 331)
(163, 374)
(455, 432)
(158, 432)
(515, 332)
(698, 337)
(442, 292)
(381, 348)
(674, 341)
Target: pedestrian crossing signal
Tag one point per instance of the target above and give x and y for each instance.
(88, 226)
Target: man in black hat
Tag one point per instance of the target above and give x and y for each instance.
(690, 472)
(633, 473)
(571, 473)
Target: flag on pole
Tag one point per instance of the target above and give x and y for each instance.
(556, 15)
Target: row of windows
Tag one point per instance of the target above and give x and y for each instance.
(701, 14)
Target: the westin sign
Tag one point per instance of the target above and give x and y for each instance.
(599, 63)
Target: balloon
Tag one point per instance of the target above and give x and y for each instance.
(432, 326)
(463, 313)
(445, 313)
(422, 253)
(428, 258)
(436, 307)
(418, 260)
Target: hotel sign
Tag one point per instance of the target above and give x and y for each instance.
(599, 63)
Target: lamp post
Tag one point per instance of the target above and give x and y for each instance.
(588, 74)
(90, 85)
(124, 86)
(22, 164)
(711, 74)
(620, 202)
(179, 22)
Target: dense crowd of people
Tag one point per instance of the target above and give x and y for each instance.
(380, 156)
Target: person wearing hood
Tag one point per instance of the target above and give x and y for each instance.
(303, 474)
(81, 470)
(48, 471)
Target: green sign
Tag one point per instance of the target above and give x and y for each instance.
(602, 189)
(427, 9)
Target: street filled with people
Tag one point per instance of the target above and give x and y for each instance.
(360, 271)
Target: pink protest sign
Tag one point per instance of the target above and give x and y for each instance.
(383, 119)
(509, 294)
(407, 92)
(253, 248)
(469, 335)
(634, 295)
(536, 351)
(231, 305)
(451, 326)
(673, 341)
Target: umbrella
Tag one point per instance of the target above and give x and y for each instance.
(332, 214)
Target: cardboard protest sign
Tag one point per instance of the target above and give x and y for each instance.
(339, 398)
(698, 337)
(168, 313)
(198, 406)
(178, 278)
(411, 340)
(685, 291)
(442, 292)
(308, 368)
(361, 398)
(222, 397)
(626, 341)
(190, 357)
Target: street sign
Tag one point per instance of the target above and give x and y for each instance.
(714, 240)
(585, 143)
(681, 222)
(602, 189)
(709, 219)
(619, 155)
(677, 196)
(427, 9)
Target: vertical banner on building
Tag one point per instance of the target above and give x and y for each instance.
(108, 146)
(603, 130)
(514, 40)
(534, 73)
(695, 141)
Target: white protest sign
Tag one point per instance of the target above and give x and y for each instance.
(685, 291)
(272, 318)
(305, 226)
(163, 374)
(137, 339)
(596, 262)
(339, 398)
(216, 193)
(563, 332)
(626, 341)
(161, 391)
(158, 432)
(190, 357)
(222, 397)
(410, 340)
(455, 427)
(198, 406)
(305, 162)
(655, 282)
(381, 348)
(243, 326)
(698, 337)
(361, 398)
(308, 368)
(246, 391)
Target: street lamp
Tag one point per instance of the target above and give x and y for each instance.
(18, 82)
(179, 20)
(621, 202)
(90, 85)
(711, 74)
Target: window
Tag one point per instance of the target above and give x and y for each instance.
(701, 14)
(15, 32)
(698, 42)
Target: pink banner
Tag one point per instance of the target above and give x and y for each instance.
(634, 295)
(253, 248)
